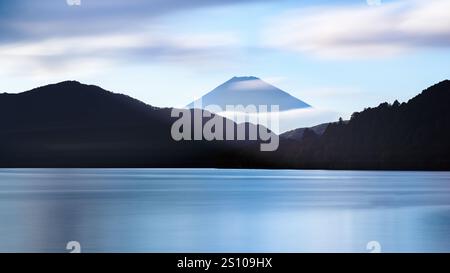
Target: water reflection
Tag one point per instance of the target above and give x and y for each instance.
(203, 210)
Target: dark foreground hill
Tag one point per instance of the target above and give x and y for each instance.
(75, 125)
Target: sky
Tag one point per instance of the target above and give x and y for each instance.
(338, 56)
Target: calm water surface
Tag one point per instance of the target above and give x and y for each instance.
(206, 210)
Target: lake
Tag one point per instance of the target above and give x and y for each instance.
(208, 210)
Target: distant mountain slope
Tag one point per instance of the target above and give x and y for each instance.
(298, 134)
(249, 91)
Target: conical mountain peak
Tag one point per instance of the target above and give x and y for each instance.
(248, 90)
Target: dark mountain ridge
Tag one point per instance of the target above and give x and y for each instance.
(75, 125)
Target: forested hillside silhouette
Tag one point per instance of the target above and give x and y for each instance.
(412, 135)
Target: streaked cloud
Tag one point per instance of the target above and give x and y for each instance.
(51, 37)
(31, 19)
(56, 55)
(362, 31)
